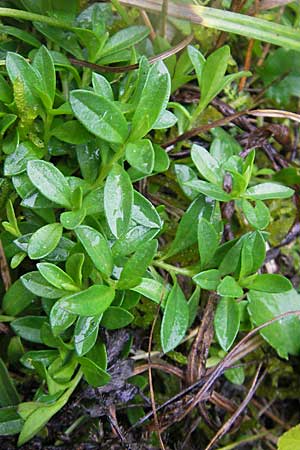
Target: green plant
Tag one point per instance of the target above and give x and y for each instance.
(83, 241)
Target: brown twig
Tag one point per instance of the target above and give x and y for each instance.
(152, 396)
(109, 69)
(202, 342)
(227, 425)
(4, 269)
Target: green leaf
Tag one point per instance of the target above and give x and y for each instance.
(272, 283)
(56, 276)
(253, 253)
(96, 247)
(257, 216)
(93, 374)
(184, 174)
(193, 304)
(91, 302)
(283, 335)
(46, 357)
(29, 328)
(50, 182)
(118, 200)
(93, 202)
(161, 159)
(72, 219)
(43, 413)
(212, 75)
(100, 116)
(16, 162)
(208, 189)
(208, 240)
(124, 38)
(8, 393)
(290, 439)
(20, 71)
(44, 67)
(10, 421)
(197, 60)
(187, 232)
(74, 265)
(35, 283)
(60, 319)
(207, 166)
(116, 317)
(102, 86)
(152, 289)
(140, 155)
(136, 265)
(152, 102)
(85, 334)
(144, 213)
(236, 375)
(16, 299)
(209, 279)
(229, 288)
(44, 240)
(268, 191)
(227, 322)
(71, 132)
(230, 262)
(175, 319)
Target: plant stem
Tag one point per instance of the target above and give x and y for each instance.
(244, 441)
(33, 17)
(106, 169)
(188, 272)
(122, 11)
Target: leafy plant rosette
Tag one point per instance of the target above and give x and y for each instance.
(82, 241)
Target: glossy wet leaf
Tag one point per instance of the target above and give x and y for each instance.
(50, 182)
(102, 86)
(283, 335)
(56, 276)
(187, 232)
(175, 319)
(144, 213)
(267, 191)
(44, 241)
(72, 219)
(152, 289)
(253, 253)
(96, 247)
(44, 67)
(206, 164)
(16, 162)
(227, 322)
(85, 334)
(208, 240)
(116, 317)
(209, 279)
(229, 288)
(29, 328)
(136, 266)
(90, 302)
(10, 421)
(60, 319)
(209, 189)
(100, 116)
(269, 282)
(118, 200)
(35, 283)
(140, 155)
(46, 357)
(124, 38)
(153, 100)
(94, 375)
(8, 393)
(258, 216)
(16, 299)
(43, 413)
